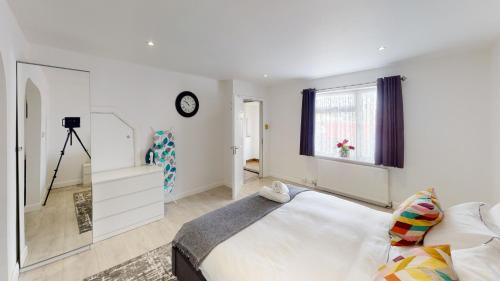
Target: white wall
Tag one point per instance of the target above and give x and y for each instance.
(495, 109)
(146, 96)
(251, 130)
(112, 142)
(447, 125)
(285, 161)
(226, 88)
(13, 46)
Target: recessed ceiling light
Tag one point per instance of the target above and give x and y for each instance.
(265, 75)
(151, 43)
(381, 48)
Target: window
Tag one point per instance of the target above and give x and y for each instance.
(346, 114)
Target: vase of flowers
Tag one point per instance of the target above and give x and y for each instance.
(344, 148)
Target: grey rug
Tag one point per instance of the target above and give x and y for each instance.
(83, 210)
(155, 265)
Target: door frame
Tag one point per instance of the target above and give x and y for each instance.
(234, 169)
(261, 130)
(236, 173)
(18, 230)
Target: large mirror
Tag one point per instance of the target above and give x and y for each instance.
(55, 192)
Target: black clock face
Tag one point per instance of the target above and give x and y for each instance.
(187, 104)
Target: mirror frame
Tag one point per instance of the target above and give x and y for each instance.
(20, 212)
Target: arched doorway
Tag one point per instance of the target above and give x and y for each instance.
(33, 145)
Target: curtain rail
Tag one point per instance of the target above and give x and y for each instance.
(403, 78)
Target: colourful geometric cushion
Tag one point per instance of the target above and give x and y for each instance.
(423, 264)
(414, 218)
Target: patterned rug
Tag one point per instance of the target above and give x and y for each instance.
(83, 210)
(155, 265)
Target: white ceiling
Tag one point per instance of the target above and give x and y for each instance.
(245, 39)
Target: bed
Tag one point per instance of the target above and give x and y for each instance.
(315, 236)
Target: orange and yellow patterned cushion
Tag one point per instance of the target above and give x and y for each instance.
(415, 217)
(422, 264)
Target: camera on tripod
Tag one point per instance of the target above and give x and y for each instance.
(71, 122)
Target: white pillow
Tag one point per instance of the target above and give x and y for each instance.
(479, 263)
(491, 217)
(462, 227)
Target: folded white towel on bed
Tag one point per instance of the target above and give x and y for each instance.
(268, 193)
(280, 187)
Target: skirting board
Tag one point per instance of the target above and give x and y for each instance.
(24, 254)
(355, 197)
(33, 207)
(60, 184)
(298, 181)
(291, 179)
(36, 206)
(56, 258)
(14, 276)
(169, 197)
(395, 204)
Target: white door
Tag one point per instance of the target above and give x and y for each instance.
(237, 147)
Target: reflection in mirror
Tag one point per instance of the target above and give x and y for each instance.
(54, 166)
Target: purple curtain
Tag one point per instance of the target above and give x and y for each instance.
(389, 140)
(307, 122)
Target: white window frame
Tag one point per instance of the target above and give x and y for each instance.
(358, 124)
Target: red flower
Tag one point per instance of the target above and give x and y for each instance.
(351, 147)
(339, 145)
(345, 141)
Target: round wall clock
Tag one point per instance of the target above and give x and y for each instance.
(187, 104)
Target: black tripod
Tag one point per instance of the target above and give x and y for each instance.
(71, 131)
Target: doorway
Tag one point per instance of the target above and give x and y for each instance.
(252, 140)
(247, 163)
(34, 142)
(254, 156)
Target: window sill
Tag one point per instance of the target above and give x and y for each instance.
(350, 161)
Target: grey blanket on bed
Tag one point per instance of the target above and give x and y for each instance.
(197, 238)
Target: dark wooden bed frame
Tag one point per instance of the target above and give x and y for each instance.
(183, 269)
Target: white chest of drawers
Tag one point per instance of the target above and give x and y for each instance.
(125, 199)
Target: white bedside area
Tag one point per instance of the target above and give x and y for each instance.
(125, 199)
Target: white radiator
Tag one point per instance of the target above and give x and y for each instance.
(366, 183)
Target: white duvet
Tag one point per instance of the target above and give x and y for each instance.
(315, 237)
